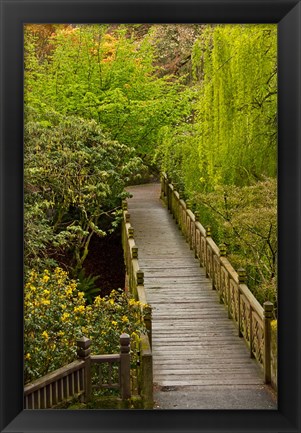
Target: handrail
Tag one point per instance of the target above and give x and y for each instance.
(253, 320)
(135, 281)
(55, 387)
(75, 379)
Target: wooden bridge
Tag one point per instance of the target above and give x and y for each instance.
(192, 356)
(199, 361)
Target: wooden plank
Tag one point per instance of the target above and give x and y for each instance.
(176, 362)
(208, 381)
(181, 373)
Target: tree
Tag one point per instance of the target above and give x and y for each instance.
(104, 74)
(236, 67)
(245, 219)
(75, 177)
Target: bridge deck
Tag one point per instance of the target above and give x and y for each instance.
(197, 355)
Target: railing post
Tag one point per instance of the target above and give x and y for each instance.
(173, 199)
(222, 295)
(134, 252)
(241, 280)
(147, 313)
(191, 225)
(125, 366)
(131, 232)
(167, 194)
(127, 217)
(146, 373)
(196, 247)
(140, 278)
(222, 250)
(207, 260)
(251, 332)
(83, 353)
(162, 186)
(268, 316)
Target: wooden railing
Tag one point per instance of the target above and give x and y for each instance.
(75, 379)
(135, 285)
(56, 387)
(253, 321)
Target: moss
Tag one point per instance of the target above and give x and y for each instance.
(274, 324)
(274, 358)
(134, 402)
(144, 343)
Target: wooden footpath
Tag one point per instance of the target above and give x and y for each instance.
(198, 359)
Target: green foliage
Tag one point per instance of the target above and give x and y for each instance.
(56, 314)
(237, 106)
(245, 219)
(74, 177)
(38, 234)
(230, 134)
(97, 104)
(107, 76)
(224, 156)
(87, 284)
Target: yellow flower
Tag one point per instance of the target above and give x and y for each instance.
(46, 278)
(97, 300)
(32, 288)
(46, 292)
(45, 301)
(32, 276)
(124, 319)
(84, 330)
(111, 301)
(59, 271)
(27, 356)
(68, 291)
(73, 284)
(114, 323)
(65, 316)
(80, 295)
(79, 309)
(45, 335)
(134, 335)
(63, 306)
(60, 333)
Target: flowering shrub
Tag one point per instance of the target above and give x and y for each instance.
(56, 314)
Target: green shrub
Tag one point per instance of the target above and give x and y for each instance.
(56, 314)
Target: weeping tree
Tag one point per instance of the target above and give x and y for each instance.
(230, 134)
(224, 157)
(236, 71)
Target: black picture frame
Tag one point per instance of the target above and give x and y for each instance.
(287, 14)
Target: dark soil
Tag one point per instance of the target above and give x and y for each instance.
(105, 259)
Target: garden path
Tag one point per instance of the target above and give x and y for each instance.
(199, 362)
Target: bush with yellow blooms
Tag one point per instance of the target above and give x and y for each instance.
(56, 315)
